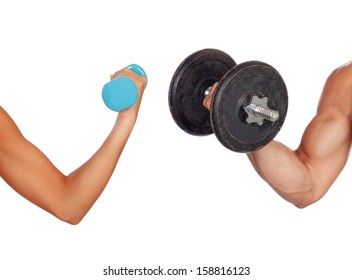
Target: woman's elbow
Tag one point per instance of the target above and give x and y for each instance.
(69, 217)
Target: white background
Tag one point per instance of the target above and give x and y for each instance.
(174, 200)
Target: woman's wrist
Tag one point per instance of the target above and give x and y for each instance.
(127, 121)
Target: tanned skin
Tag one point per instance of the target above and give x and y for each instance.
(303, 176)
(68, 197)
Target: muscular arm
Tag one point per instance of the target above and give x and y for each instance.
(30, 173)
(303, 176)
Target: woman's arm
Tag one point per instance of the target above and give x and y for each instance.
(30, 173)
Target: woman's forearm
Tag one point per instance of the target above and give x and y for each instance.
(84, 185)
(30, 173)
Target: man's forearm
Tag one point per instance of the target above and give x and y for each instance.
(285, 171)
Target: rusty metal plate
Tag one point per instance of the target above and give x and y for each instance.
(234, 92)
(195, 74)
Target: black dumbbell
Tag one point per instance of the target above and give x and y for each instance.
(249, 105)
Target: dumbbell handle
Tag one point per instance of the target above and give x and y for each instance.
(256, 110)
(261, 112)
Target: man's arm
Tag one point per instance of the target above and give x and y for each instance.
(303, 176)
(30, 173)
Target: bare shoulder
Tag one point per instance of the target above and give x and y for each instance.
(7, 125)
(337, 93)
(341, 77)
(4, 119)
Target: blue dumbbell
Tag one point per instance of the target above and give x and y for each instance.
(121, 92)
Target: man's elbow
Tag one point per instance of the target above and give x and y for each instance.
(302, 205)
(301, 199)
(304, 201)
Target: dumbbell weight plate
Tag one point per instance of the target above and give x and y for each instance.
(195, 74)
(235, 91)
